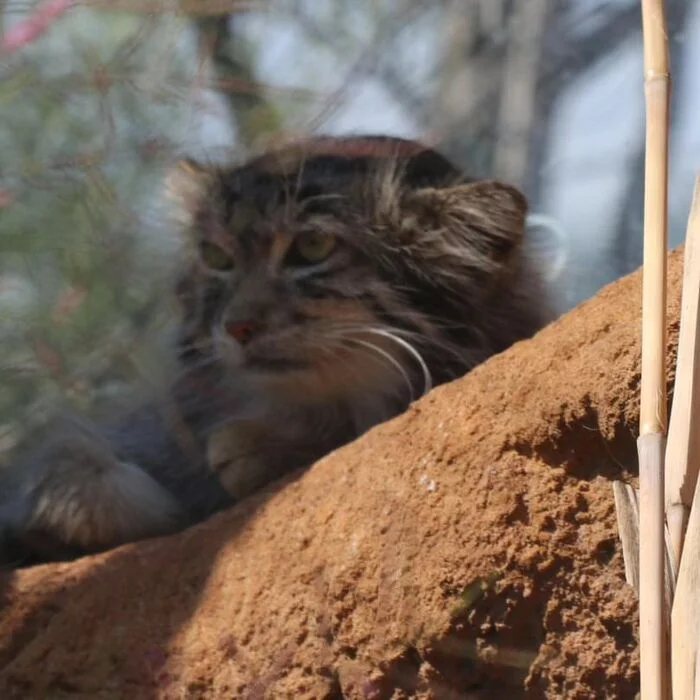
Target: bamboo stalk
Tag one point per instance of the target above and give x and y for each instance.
(686, 610)
(683, 448)
(653, 419)
(683, 456)
(652, 625)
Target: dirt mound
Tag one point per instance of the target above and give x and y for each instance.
(467, 549)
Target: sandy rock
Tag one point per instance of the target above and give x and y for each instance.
(467, 549)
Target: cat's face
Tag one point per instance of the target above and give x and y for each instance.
(335, 269)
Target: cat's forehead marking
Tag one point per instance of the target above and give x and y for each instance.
(281, 240)
(292, 160)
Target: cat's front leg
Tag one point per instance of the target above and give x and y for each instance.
(246, 456)
(73, 496)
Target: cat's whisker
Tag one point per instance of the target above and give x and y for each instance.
(427, 376)
(434, 343)
(420, 338)
(388, 357)
(332, 346)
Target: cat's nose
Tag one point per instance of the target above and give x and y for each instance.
(243, 331)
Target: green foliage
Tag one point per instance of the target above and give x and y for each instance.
(93, 112)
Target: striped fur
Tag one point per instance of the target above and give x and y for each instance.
(284, 356)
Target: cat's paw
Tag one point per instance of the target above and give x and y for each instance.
(74, 497)
(20, 545)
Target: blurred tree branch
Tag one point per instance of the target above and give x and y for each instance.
(518, 95)
(569, 55)
(233, 68)
(191, 8)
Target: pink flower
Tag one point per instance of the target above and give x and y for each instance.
(29, 30)
(6, 198)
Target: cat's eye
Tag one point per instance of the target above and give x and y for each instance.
(312, 247)
(215, 257)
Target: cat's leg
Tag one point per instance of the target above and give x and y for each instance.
(243, 461)
(246, 456)
(74, 496)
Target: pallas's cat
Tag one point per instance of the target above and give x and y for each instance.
(324, 286)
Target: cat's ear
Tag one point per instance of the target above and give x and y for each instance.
(482, 221)
(186, 184)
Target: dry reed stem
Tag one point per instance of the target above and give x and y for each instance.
(685, 617)
(683, 465)
(627, 509)
(683, 445)
(653, 418)
(652, 607)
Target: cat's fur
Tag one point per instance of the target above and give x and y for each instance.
(284, 360)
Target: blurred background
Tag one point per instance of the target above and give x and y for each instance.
(99, 98)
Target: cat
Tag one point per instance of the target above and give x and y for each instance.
(324, 286)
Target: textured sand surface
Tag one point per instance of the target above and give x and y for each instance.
(361, 577)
